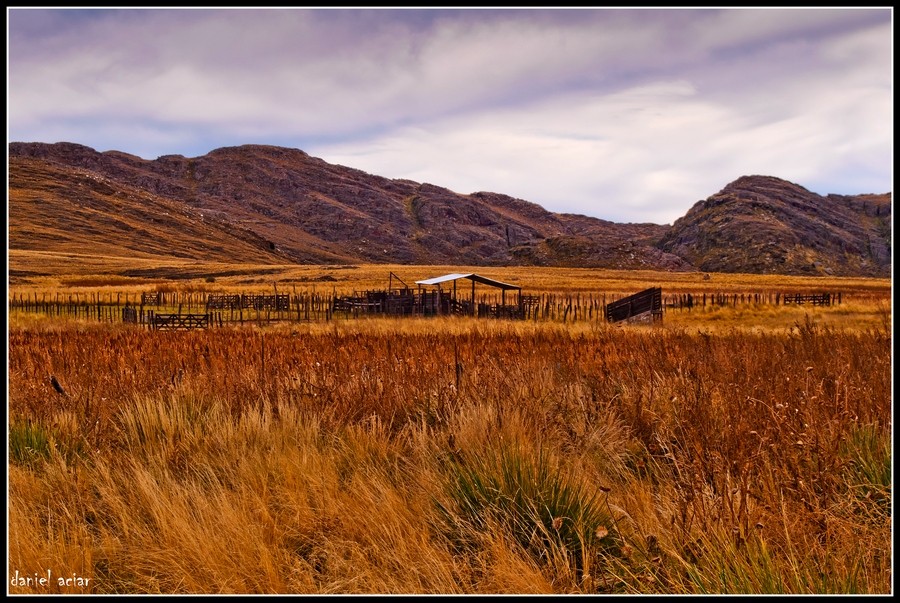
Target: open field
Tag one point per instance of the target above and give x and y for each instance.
(36, 271)
(733, 449)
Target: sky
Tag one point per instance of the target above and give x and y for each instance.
(628, 115)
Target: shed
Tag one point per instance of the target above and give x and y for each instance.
(475, 278)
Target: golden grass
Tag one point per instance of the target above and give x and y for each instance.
(53, 271)
(317, 458)
(853, 314)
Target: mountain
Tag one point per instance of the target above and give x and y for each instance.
(761, 224)
(274, 205)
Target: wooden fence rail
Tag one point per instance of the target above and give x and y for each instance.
(317, 307)
(171, 322)
(816, 299)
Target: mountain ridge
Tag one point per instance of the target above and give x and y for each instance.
(275, 205)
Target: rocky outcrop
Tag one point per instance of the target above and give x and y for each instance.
(761, 224)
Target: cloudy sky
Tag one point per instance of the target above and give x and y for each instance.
(630, 115)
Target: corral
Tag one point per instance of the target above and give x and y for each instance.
(406, 301)
(454, 294)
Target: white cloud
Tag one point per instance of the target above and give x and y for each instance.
(628, 115)
(561, 154)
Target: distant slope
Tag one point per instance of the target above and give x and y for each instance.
(266, 204)
(761, 224)
(58, 208)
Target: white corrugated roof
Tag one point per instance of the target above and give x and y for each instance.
(443, 279)
(474, 277)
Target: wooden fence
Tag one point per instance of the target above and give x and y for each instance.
(226, 301)
(410, 302)
(816, 299)
(183, 322)
(317, 307)
(647, 302)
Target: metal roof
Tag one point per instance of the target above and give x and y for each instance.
(473, 277)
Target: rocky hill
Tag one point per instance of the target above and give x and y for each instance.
(760, 224)
(264, 204)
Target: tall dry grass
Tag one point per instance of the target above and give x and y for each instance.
(452, 456)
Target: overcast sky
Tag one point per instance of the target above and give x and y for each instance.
(630, 115)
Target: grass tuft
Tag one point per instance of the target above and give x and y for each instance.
(29, 443)
(544, 507)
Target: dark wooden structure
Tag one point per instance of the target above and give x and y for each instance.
(276, 302)
(816, 299)
(223, 301)
(150, 298)
(173, 322)
(453, 301)
(436, 297)
(648, 301)
(130, 314)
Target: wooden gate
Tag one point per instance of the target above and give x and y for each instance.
(649, 300)
(171, 322)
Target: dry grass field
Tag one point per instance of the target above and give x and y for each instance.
(738, 449)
